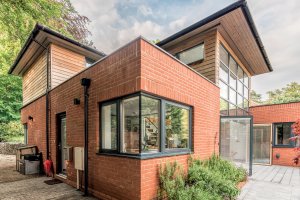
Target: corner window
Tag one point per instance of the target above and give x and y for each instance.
(109, 126)
(282, 134)
(192, 55)
(142, 125)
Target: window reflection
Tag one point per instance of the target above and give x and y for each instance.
(131, 128)
(176, 127)
(150, 125)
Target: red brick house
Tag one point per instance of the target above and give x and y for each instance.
(142, 105)
(271, 132)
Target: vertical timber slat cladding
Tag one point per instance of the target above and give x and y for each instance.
(138, 66)
(205, 67)
(64, 64)
(35, 80)
(269, 114)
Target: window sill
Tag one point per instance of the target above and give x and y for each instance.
(283, 146)
(146, 156)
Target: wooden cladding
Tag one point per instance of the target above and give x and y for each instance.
(35, 79)
(206, 67)
(64, 64)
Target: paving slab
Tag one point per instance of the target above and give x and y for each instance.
(272, 182)
(15, 186)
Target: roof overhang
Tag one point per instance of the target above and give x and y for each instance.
(39, 39)
(237, 27)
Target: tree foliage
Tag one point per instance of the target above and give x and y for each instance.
(17, 19)
(290, 93)
(296, 138)
(255, 97)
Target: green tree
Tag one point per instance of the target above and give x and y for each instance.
(17, 19)
(290, 93)
(255, 97)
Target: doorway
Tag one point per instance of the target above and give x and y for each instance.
(236, 140)
(262, 139)
(61, 143)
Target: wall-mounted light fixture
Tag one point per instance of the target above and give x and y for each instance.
(76, 101)
(30, 118)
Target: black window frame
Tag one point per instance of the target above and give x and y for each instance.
(291, 143)
(118, 121)
(187, 49)
(161, 152)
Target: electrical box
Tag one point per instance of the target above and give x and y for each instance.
(79, 158)
(68, 153)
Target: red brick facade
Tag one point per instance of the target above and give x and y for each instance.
(270, 114)
(138, 66)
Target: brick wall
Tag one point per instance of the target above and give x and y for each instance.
(164, 76)
(37, 126)
(270, 114)
(135, 67)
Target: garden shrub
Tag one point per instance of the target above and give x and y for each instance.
(212, 179)
(11, 132)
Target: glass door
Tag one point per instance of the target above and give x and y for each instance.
(61, 145)
(262, 143)
(236, 140)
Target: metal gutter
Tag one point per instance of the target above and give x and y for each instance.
(239, 4)
(34, 33)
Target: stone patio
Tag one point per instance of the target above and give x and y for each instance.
(272, 182)
(14, 185)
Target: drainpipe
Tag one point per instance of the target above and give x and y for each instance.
(85, 82)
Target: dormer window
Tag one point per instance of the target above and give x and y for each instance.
(89, 62)
(191, 55)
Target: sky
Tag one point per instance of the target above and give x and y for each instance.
(114, 23)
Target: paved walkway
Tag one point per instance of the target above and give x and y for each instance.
(15, 186)
(272, 182)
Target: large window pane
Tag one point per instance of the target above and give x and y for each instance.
(232, 96)
(223, 107)
(150, 125)
(109, 126)
(223, 55)
(240, 87)
(130, 133)
(232, 81)
(232, 110)
(240, 101)
(246, 92)
(246, 104)
(232, 66)
(235, 140)
(192, 55)
(282, 134)
(223, 73)
(246, 80)
(240, 74)
(224, 90)
(177, 127)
